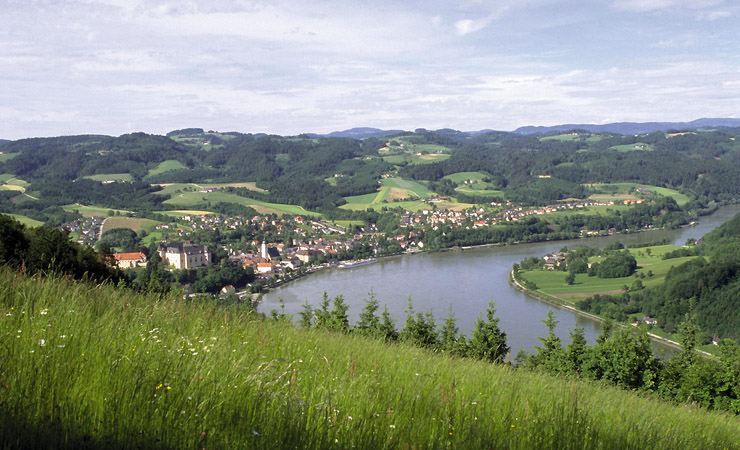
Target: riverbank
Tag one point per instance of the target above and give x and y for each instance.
(554, 301)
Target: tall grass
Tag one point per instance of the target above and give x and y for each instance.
(89, 367)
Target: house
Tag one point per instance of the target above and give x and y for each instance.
(129, 260)
(306, 256)
(185, 255)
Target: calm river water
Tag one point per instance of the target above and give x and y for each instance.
(465, 281)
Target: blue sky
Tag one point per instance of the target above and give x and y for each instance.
(286, 67)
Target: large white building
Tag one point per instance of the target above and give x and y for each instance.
(185, 256)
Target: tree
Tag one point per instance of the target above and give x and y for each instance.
(570, 279)
(450, 341)
(322, 315)
(488, 341)
(306, 315)
(625, 359)
(387, 326)
(576, 352)
(338, 320)
(420, 329)
(369, 323)
(550, 356)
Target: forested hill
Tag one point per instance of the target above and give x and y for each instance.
(633, 127)
(321, 173)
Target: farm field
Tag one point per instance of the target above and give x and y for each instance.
(11, 183)
(90, 211)
(110, 177)
(164, 166)
(27, 221)
(416, 159)
(636, 147)
(565, 137)
(619, 190)
(460, 177)
(131, 223)
(187, 199)
(185, 212)
(176, 188)
(552, 282)
(391, 195)
(7, 156)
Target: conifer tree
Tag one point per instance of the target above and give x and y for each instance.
(488, 341)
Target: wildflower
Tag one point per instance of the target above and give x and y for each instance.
(391, 426)
(44, 312)
(42, 342)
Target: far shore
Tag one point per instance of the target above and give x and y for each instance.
(550, 301)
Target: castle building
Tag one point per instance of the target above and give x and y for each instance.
(185, 255)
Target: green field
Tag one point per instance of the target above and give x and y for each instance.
(461, 177)
(184, 212)
(188, 199)
(9, 182)
(392, 194)
(27, 221)
(552, 282)
(637, 147)
(102, 367)
(7, 156)
(416, 159)
(131, 223)
(620, 189)
(481, 188)
(565, 137)
(89, 211)
(110, 177)
(165, 166)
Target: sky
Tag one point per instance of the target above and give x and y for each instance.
(293, 66)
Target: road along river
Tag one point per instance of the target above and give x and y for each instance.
(466, 281)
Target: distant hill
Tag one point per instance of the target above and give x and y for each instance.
(359, 133)
(632, 127)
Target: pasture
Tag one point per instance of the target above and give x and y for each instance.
(185, 200)
(90, 211)
(649, 259)
(619, 190)
(165, 166)
(110, 177)
(132, 223)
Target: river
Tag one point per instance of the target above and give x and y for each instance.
(465, 281)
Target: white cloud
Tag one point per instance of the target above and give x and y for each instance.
(653, 5)
(714, 15)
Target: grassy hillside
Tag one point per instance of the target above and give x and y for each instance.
(92, 367)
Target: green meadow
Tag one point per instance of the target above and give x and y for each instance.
(90, 211)
(185, 200)
(27, 221)
(9, 182)
(637, 147)
(413, 158)
(649, 259)
(165, 166)
(7, 156)
(87, 366)
(131, 223)
(110, 177)
(622, 189)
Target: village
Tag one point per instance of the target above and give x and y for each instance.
(276, 249)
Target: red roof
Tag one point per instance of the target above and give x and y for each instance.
(132, 256)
